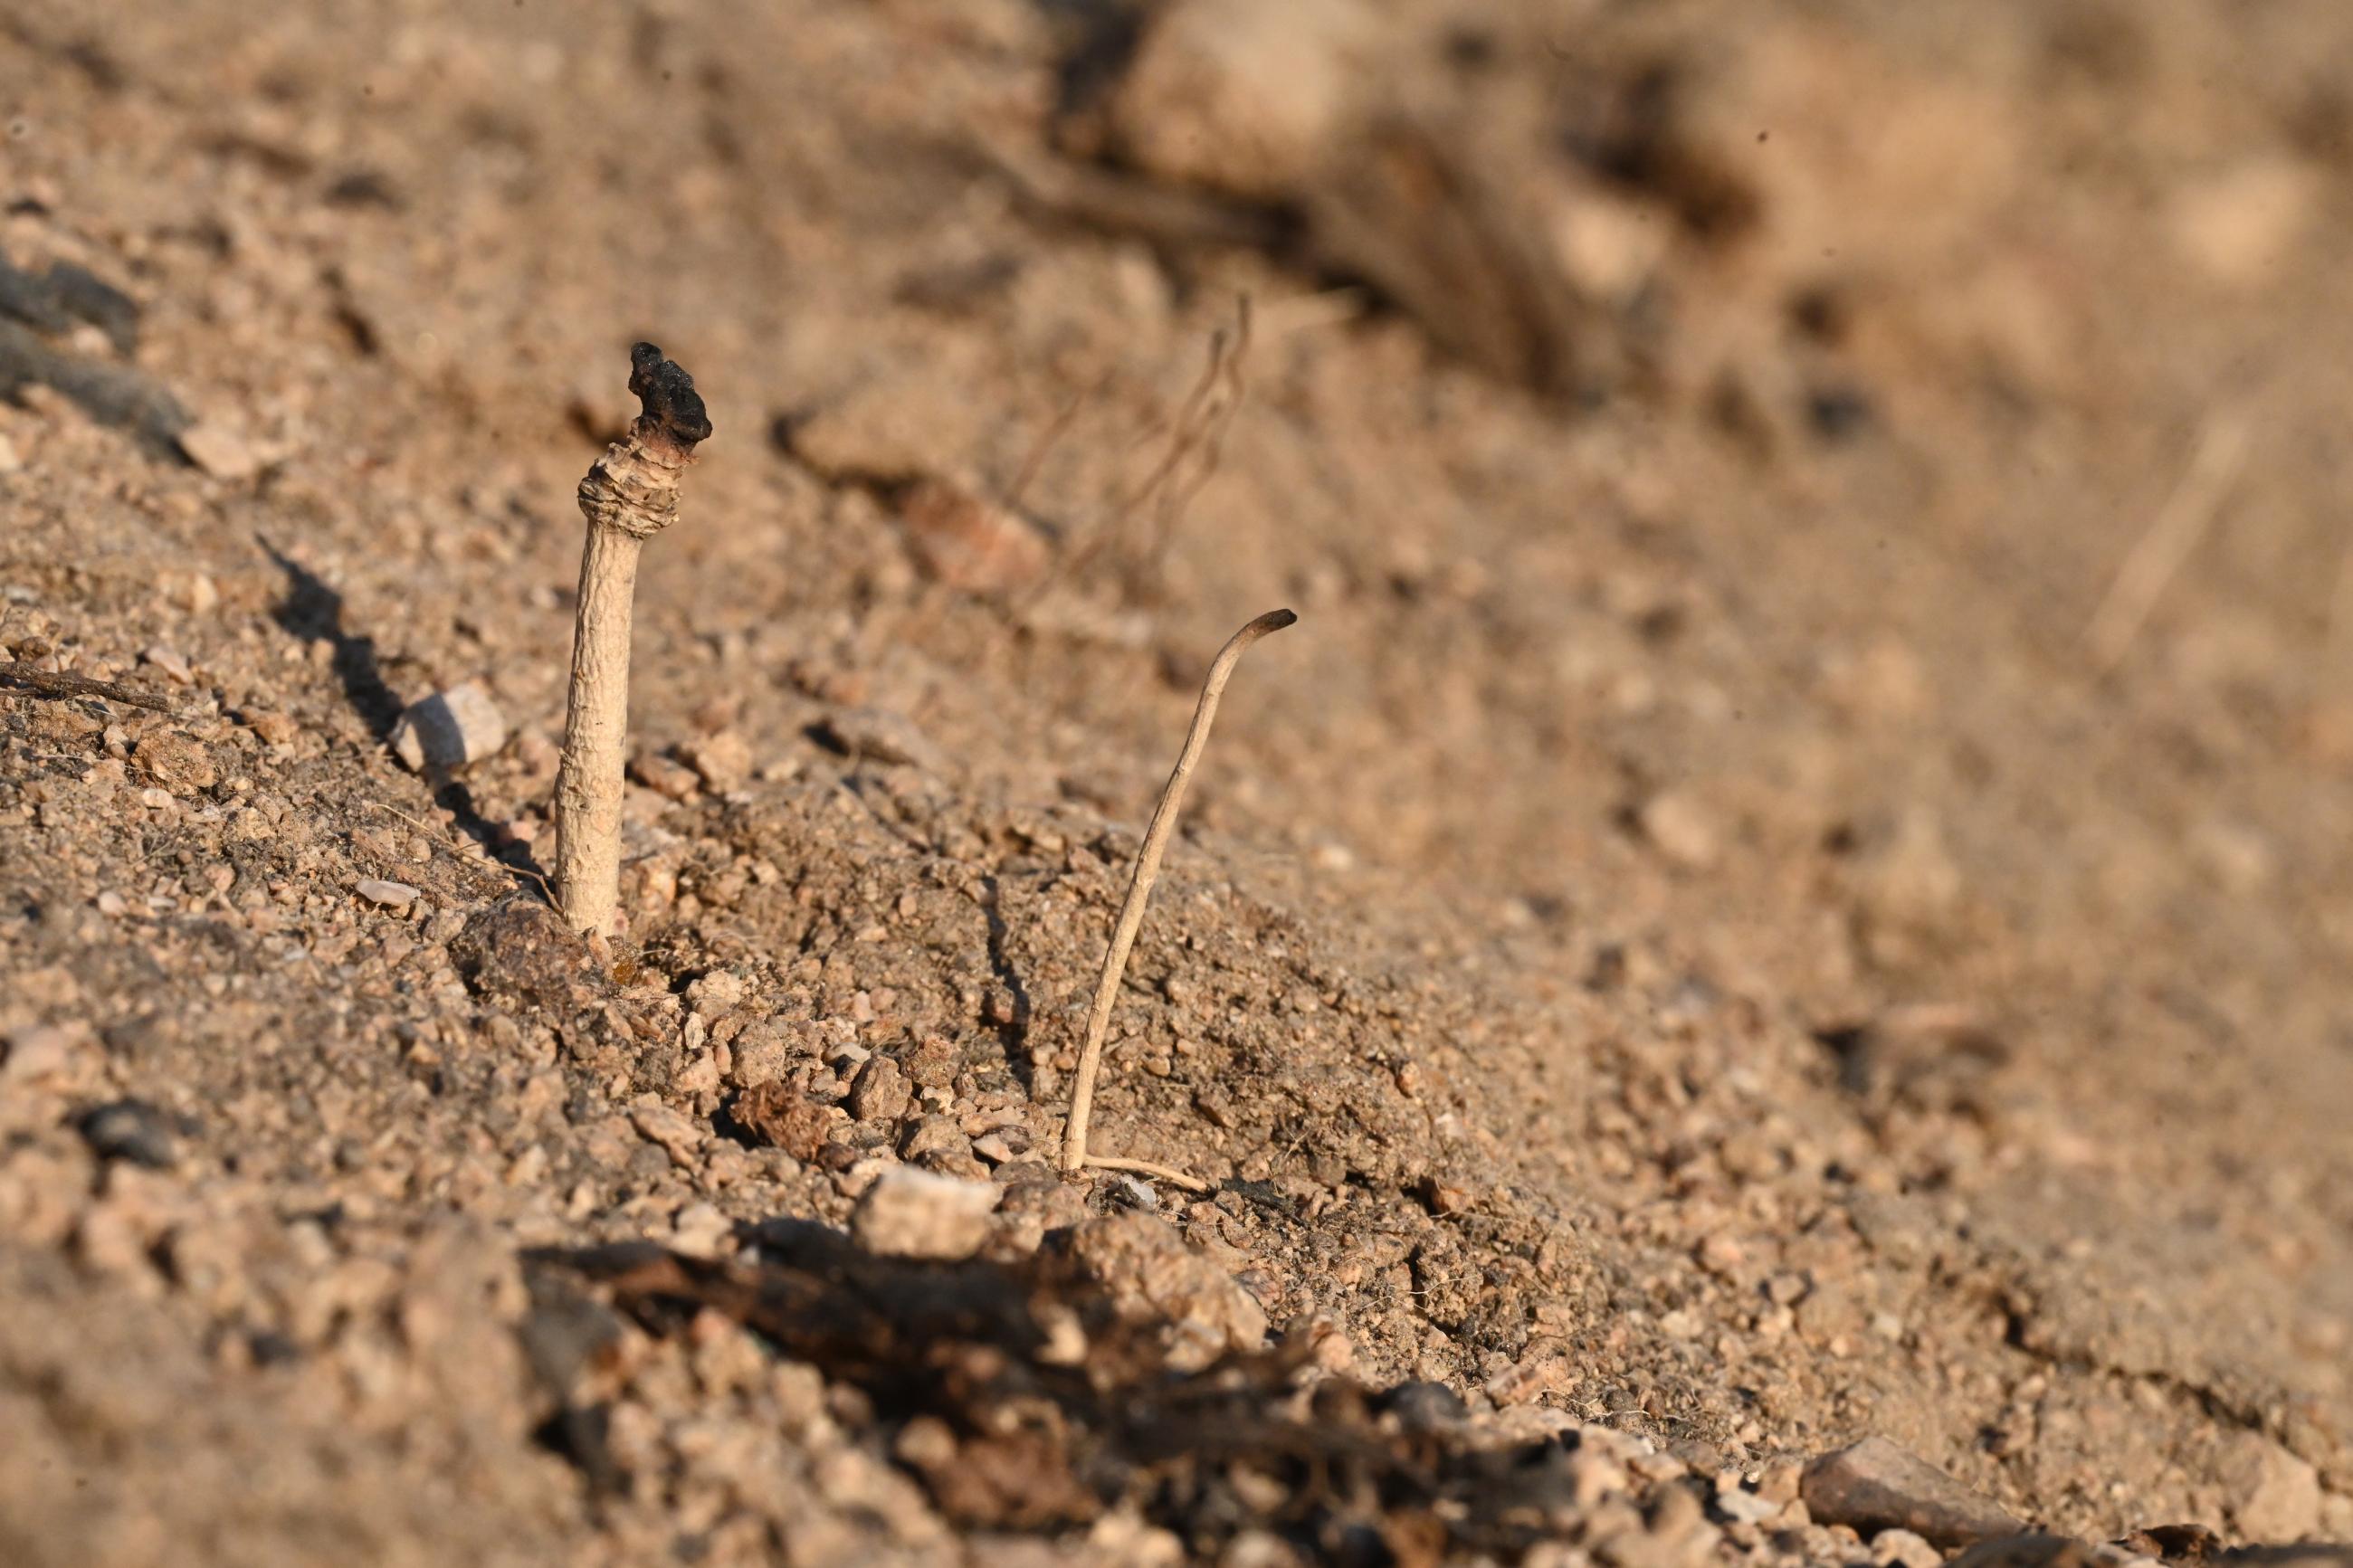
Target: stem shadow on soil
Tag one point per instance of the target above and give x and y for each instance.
(1013, 1035)
(313, 611)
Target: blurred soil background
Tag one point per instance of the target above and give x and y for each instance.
(1794, 881)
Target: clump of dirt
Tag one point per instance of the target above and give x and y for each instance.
(1686, 963)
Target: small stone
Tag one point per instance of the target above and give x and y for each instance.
(939, 1144)
(169, 662)
(2241, 225)
(714, 994)
(391, 895)
(1874, 1485)
(664, 777)
(1720, 1255)
(1444, 1199)
(2172, 1542)
(449, 728)
(969, 543)
(38, 1052)
(274, 729)
(218, 450)
(2275, 1496)
(1121, 1190)
(927, 1443)
(1652, 1467)
(1744, 1507)
(1779, 1480)
(776, 1114)
(1329, 1348)
(1527, 1380)
(1675, 1515)
(130, 1131)
(1002, 1146)
(877, 734)
(176, 762)
(679, 1135)
(1609, 244)
(193, 592)
(1904, 1548)
(9, 461)
(1201, 1311)
(934, 1062)
(1593, 1475)
(699, 1230)
(880, 1092)
(2028, 1549)
(1239, 95)
(1425, 1406)
(914, 1213)
(763, 1053)
(723, 761)
(1682, 829)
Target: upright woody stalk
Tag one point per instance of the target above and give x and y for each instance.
(630, 494)
(1075, 1157)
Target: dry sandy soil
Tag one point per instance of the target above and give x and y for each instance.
(1793, 882)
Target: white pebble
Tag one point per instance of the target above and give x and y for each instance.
(449, 728)
(219, 451)
(914, 1213)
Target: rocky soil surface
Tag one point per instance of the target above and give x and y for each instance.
(1761, 979)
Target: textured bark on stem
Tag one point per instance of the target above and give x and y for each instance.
(1139, 892)
(630, 494)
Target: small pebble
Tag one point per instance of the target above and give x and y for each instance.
(169, 662)
(219, 451)
(1683, 830)
(35, 1052)
(883, 736)
(723, 761)
(1902, 1549)
(1425, 1406)
(1124, 1191)
(129, 1129)
(391, 895)
(679, 1135)
(913, 1213)
(449, 728)
(664, 777)
(1003, 1146)
(275, 729)
(880, 1092)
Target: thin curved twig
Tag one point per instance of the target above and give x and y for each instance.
(1168, 1174)
(1139, 891)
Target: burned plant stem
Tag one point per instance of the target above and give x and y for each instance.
(630, 494)
(1139, 892)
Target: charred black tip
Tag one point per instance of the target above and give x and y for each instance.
(666, 395)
